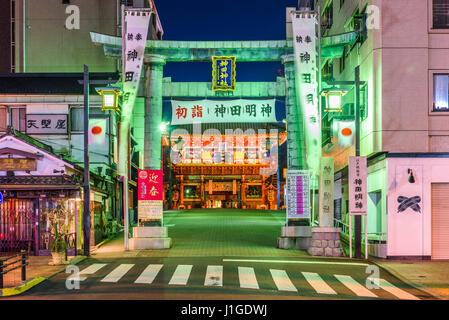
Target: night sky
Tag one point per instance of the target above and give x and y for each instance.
(220, 21)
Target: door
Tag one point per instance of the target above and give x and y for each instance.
(17, 226)
(440, 221)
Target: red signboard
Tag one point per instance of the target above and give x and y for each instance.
(150, 185)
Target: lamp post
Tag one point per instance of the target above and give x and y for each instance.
(86, 189)
(332, 101)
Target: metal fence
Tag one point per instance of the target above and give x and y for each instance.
(13, 269)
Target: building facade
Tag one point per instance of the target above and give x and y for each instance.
(402, 53)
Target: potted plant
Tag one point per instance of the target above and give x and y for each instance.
(58, 219)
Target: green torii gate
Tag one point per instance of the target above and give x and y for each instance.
(158, 52)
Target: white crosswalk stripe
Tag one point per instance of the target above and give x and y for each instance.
(282, 281)
(354, 286)
(214, 276)
(91, 270)
(150, 272)
(318, 283)
(399, 293)
(117, 273)
(247, 278)
(181, 275)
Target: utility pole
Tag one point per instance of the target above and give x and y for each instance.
(86, 195)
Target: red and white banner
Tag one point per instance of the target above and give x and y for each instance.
(150, 185)
(97, 131)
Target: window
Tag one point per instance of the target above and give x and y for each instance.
(441, 92)
(328, 16)
(18, 117)
(440, 12)
(3, 118)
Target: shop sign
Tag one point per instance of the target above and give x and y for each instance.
(326, 211)
(17, 164)
(46, 124)
(357, 186)
(297, 194)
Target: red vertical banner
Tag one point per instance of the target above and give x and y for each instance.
(150, 185)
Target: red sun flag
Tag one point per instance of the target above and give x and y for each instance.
(97, 131)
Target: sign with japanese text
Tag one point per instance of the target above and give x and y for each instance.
(150, 185)
(149, 210)
(135, 37)
(326, 200)
(305, 52)
(17, 164)
(297, 194)
(357, 186)
(215, 111)
(46, 124)
(223, 73)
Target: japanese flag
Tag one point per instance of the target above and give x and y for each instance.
(97, 131)
(346, 130)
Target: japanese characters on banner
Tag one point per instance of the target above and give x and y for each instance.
(150, 194)
(305, 52)
(135, 37)
(357, 186)
(46, 123)
(213, 111)
(326, 211)
(297, 194)
(223, 73)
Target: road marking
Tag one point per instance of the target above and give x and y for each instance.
(299, 262)
(282, 281)
(150, 272)
(318, 283)
(214, 276)
(354, 286)
(181, 275)
(401, 294)
(247, 278)
(91, 269)
(117, 273)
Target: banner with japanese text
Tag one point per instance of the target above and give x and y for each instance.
(216, 111)
(305, 52)
(150, 185)
(134, 39)
(357, 186)
(297, 194)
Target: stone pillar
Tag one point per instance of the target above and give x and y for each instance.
(295, 123)
(153, 110)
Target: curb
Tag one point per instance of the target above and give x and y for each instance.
(34, 282)
(417, 286)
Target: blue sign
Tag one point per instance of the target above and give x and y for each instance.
(223, 73)
(1, 197)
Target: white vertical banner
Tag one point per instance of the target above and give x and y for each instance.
(135, 37)
(306, 61)
(357, 186)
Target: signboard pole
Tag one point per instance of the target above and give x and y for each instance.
(86, 195)
(366, 237)
(350, 236)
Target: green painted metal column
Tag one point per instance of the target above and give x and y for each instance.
(295, 119)
(153, 111)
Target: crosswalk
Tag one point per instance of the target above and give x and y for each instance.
(247, 279)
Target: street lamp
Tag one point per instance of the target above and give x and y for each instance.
(333, 101)
(109, 97)
(334, 97)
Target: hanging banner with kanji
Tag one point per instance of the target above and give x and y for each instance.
(305, 52)
(223, 73)
(135, 37)
(357, 186)
(229, 111)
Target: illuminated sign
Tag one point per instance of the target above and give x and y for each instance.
(223, 73)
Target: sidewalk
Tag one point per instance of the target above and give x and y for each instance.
(430, 276)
